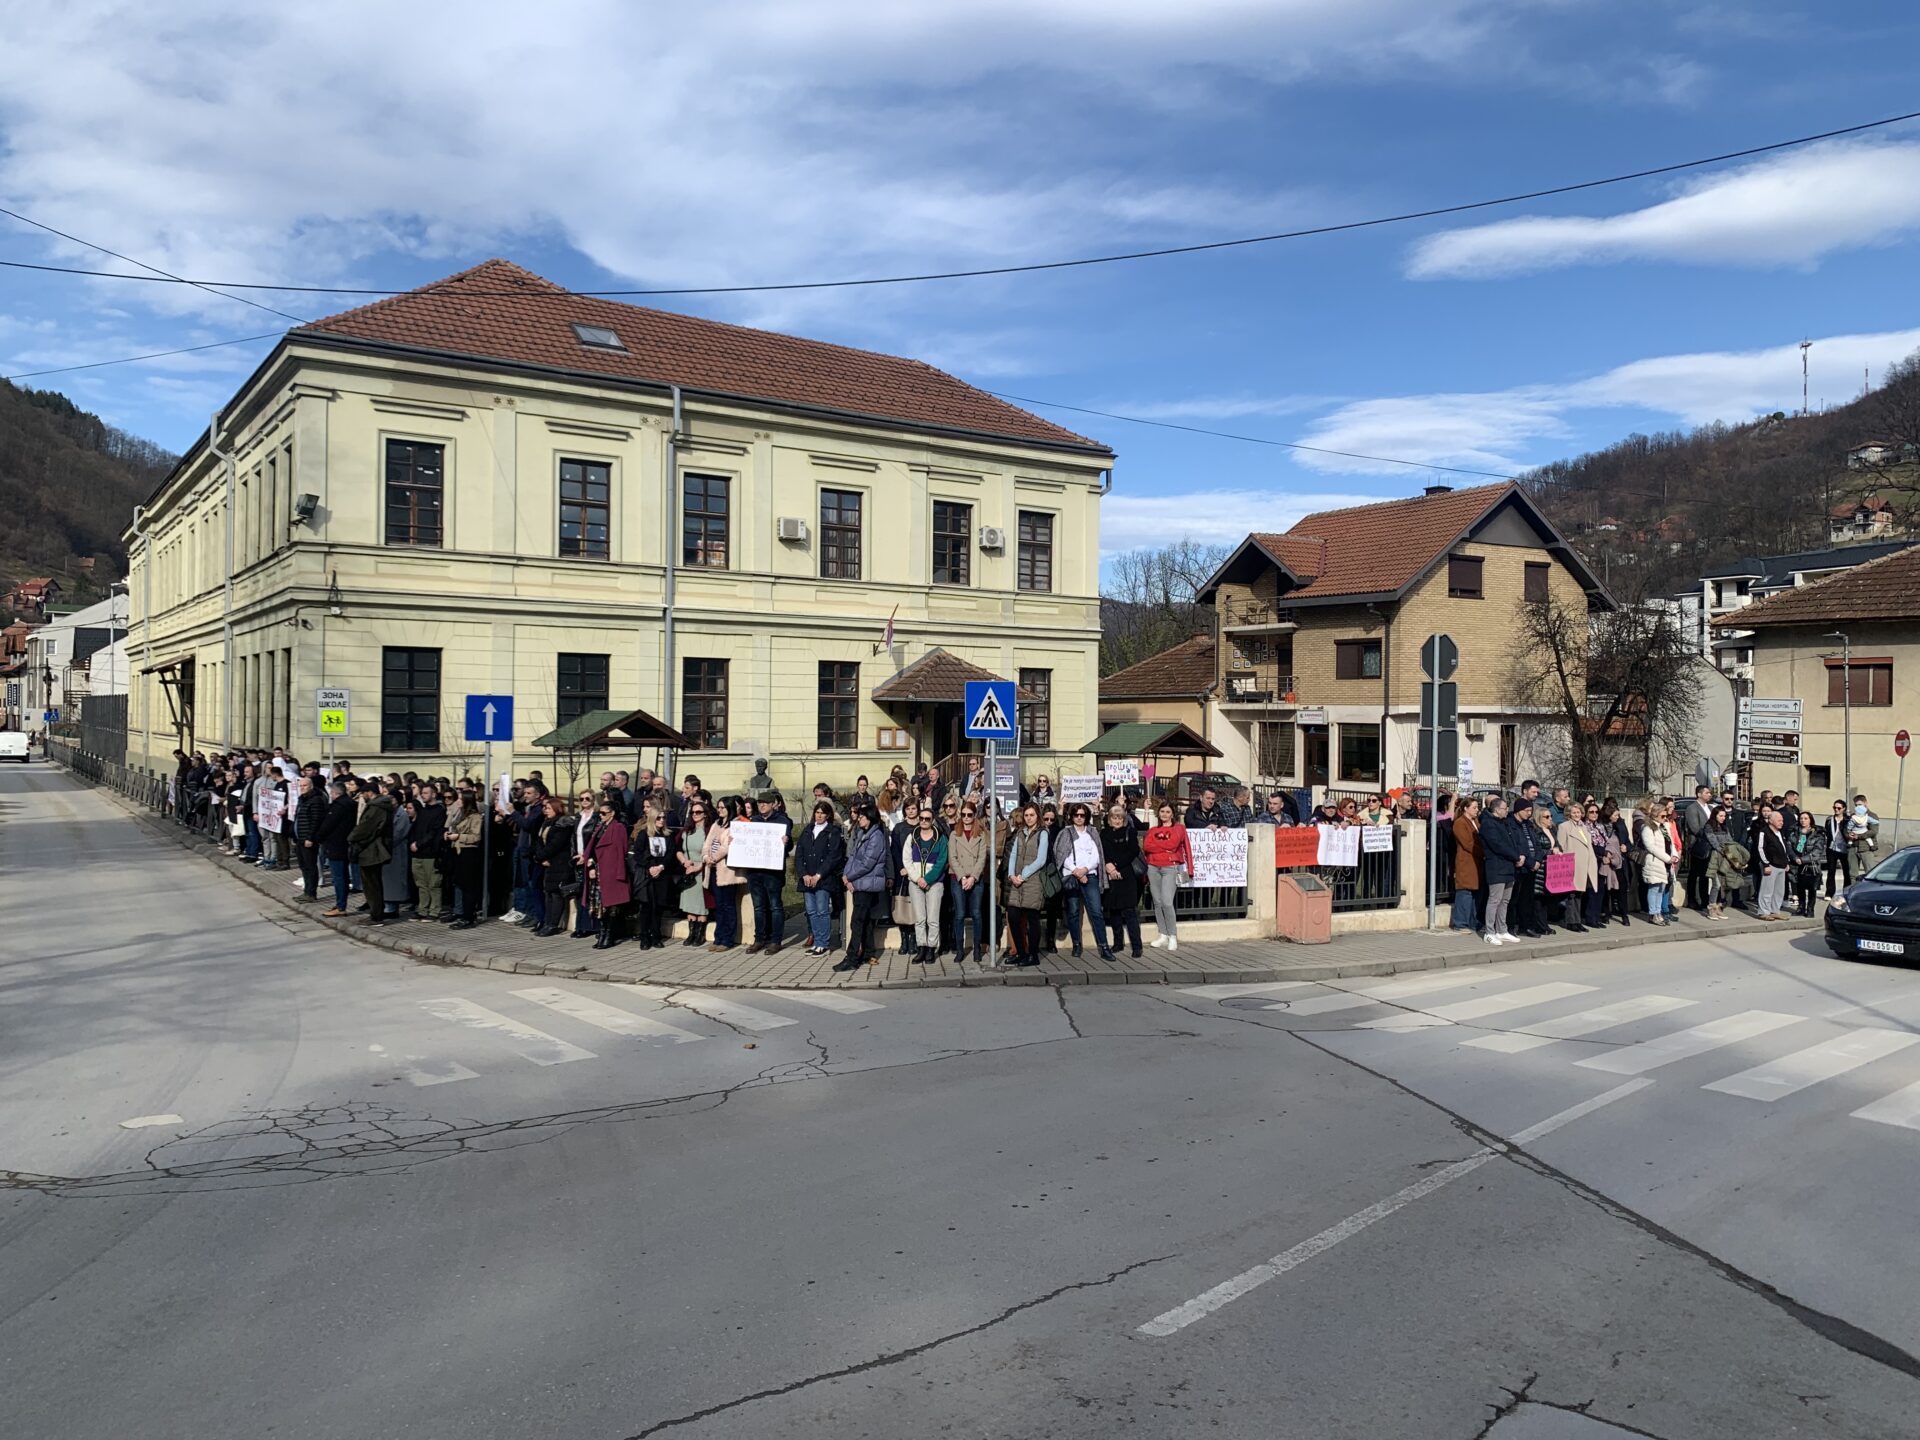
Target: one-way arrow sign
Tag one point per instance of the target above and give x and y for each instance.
(489, 717)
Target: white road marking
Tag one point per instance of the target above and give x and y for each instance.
(1171, 1322)
(1482, 1005)
(141, 1122)
(1390, 990)
(728, 1012)
(606, 1017)
(1901, 1108)
(837, 1001)
(1586, 1022)
(1681, 1044)
(419, 1070)
(1232, 992)
(1792, 1073)
(526, 1042)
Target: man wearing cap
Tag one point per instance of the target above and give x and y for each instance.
(1526, 917)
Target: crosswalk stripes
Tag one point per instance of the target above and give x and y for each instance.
(1683, 1044)
(1480, 1006)
(420, 1070)
(525, 1041)
(1541, 1033)
(1356, 996)
(1901, 1108)
(1235, 992)
(606, 1017)
(1791, 1073)
(714, 1007)
(837, 1001)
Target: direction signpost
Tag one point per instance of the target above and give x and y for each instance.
(1768, 731)
(489, 718)
(989, 712)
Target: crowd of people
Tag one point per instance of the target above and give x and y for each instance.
(1770, 859)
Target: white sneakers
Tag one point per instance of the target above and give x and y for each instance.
(1502, 939)
(1159, 944)
(512, 917)
(1173, 942)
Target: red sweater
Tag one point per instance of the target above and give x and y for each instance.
(1165, 845)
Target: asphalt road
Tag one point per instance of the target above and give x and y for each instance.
(367, 1197)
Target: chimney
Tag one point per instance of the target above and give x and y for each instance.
(1438, 490)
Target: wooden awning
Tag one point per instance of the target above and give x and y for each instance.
(1156, 737)
(614, 730)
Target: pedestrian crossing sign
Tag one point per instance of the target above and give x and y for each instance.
(989, 709)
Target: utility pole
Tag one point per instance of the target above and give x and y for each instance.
(1846, 703)
(1805, 345)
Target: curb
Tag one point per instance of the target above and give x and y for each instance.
(1308, 970)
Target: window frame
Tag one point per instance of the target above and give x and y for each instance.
(1873, 694)
(1035, 717)
(565, 700)
(707, 518)
(387, 485)
(1456, 589)
(836, 709)
(958, 542)
(1359, 650)
(1542, 571)
(1340, 753)
(1025, 569)
(839, 527)
(711, 700)
(562, 504)
(413, 692)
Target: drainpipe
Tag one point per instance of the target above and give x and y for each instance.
(1386, 688)
(226, 597)
(672, 529)
(146, 629)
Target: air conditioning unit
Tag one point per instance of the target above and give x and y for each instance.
(792, 527)
(1476, 729)
(992, 537)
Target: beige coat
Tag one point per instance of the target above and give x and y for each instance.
(1657, 868)
(719, 839)
(1577, 841)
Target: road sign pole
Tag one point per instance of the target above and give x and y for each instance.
(993, 857)
(486, 827)
(1433, 789)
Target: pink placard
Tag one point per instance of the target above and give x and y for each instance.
(1559, 874)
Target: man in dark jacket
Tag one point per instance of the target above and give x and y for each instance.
(336, 825)
(1500, 855)
(1206, 812)
(426, 845)
(371, 846)
(1529, 858)
(766, 888)
(308, 811)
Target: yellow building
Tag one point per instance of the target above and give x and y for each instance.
(492, 486)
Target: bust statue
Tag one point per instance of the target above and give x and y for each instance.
(759, 781)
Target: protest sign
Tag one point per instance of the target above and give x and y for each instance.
(1376, 838)
(1338, 846)
(1296, 845)
(757, 845)
(1559, 874)
(1219, 857)
(1122, 772)
(269, 809)
(1080, 789)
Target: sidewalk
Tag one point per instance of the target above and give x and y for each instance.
(493, 946)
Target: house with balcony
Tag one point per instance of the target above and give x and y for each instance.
(1319, 631)
(1732, 587)
(1869, 518)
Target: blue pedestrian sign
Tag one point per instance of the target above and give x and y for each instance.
(489, 717)
(989, 710)
(52, 715)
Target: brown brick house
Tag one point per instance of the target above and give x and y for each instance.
(1177, 685)
(1319, 631)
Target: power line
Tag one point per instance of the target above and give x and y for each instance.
(134, 359)
(1404, 217)
(1249, 439)
(158, 273)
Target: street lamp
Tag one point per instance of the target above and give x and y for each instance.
(1846, 707)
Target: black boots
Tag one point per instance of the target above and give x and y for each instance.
(923, 955)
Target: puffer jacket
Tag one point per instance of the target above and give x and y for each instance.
(867, 861)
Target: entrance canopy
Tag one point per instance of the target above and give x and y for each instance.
(614, 730)
(1155, 737)
(937, 678)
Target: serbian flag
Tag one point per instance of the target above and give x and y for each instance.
(886, 635)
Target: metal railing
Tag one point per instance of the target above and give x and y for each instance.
(1218, 902)
(1259, 685)
(142, 789)
(1251, 611)
(1373, 884)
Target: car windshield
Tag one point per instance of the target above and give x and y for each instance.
(1900, 868)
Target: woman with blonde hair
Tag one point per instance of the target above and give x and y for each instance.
(1656, 870)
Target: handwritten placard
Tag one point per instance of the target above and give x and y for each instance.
(269, 809)
(1559, 874)
(757, 845)
(1122, 772)
(1080, 789)
(1219, 857)
(1376, 839)
(1339, 846)
(1296, 845)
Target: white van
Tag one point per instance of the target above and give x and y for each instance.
(13, 745)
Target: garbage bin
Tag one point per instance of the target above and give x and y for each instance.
(1304, 909)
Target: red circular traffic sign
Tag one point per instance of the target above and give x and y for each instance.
(1902, 742)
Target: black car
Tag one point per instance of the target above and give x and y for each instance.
(1878, 916)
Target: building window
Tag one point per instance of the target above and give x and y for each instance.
(1035, 569)
(703, 703)
(1819, 777)
(1871, 683)
(409, 699)
(416, 490)
(839, 705)
(582, 687)
(1360, 754)
(1509, 755)
(1537, 582)
(840, 534)
(1463, 577)
(704, 509)
(952, 543)
(1276, 750)
(599, 337)
(1356, 659)
(586, 488)
(1036, 715)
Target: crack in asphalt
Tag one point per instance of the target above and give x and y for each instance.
(892, 1357)
(1514, 1400)
(1060, 994)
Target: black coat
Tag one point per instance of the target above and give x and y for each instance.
(824, 855)
(429, 837)
(308, 813)
(553, 853)
(335, 826)
(1501, 842)
(1120, 848)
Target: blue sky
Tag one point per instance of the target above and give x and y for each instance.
(765, 141)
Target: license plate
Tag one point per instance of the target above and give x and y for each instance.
(1882, 947)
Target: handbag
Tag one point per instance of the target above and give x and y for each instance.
(569, 889)
(902, 910)
(1049, 880)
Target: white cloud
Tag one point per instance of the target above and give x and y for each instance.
(1222, 407)
(1502, 429)
(1789, 209)
(1218, 517)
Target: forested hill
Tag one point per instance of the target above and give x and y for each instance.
(68, 485)
(1653, 511)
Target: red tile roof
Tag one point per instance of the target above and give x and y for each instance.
(939, 677)
(499, 311)
(1883, 589)
(1186, 671)
(1375, 549)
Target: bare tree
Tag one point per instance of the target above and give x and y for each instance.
(1148, 603)
(1895, 411)
(1608, 688)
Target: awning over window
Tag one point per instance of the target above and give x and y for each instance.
(938, 678)
(614, 730)
(172, 662)
(1149, 738)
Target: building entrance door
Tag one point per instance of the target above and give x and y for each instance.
(1313, 755)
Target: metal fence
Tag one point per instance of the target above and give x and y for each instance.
(1214, 902)
(147, 790)
(1373, 884)
(103, 727)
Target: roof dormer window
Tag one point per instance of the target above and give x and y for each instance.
(598, 336)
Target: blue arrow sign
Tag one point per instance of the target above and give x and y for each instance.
(489, 717)
(989, 710)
